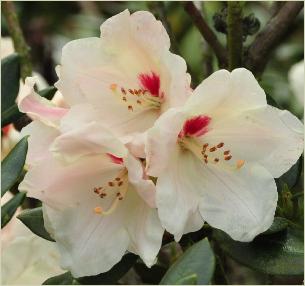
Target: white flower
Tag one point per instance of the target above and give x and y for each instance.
(296, 79)
(26, 258)
(97, 201)
(216, 157)
(128, 75)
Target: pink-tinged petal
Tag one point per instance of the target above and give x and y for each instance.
(89, 139)
(70, 184)
(140, 181)
(40, 139)
(99, 245)
(144, 228)
(38, 107)
(114, 159)
(240, 202)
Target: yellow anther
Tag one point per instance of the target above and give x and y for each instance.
(113, 86)
(98, 210)
(240, 163)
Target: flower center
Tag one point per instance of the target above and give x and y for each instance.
(115, 190)
(188, 138)
(146, 96)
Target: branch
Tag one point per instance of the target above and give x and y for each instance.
(265, 42)
(235, 34)
(20, 45)
(207, 33)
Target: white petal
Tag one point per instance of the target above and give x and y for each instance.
(240, 202)
(89, 243)
(61, 185)
(89, 139)
(135, 144)
(224, 93)
(40, 138)
(140, 182)
(177, 198)
(38, 107)
(144, 228)
(268, 136)
(161, 141)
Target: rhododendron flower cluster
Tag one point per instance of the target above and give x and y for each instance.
(131, 118)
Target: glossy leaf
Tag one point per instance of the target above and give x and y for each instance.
(12, 165)
(62, 279)
(8, 209)
(281, 253)
(10, 77)
(195, 266)
(33, 219)
(113, 275)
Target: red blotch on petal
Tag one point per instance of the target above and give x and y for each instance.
(6, 129)
(150, 82)
(195, 126)
(115, 159)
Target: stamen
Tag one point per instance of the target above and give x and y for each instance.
(98, 210)
(226, 152)
(220, 145)
(216, 160)
(227, 158)
(213, 149)
(120, 183)
(130, 108)
(240, 163)
(118, 179)
(110, 184)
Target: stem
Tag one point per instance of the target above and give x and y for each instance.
(235, 34)
(207, 33)
(265, 42)
(20, 45)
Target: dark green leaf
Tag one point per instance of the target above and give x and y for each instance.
(281, 253)
(279, 224)
(152, 275)
(62, 279)
(48, 92)
(195, 266)
(33, 219)
(9, 209)
(12, 165)
(113, 275)
(10, 76)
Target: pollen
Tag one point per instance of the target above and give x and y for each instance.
(124, 98)
(206, 161)
(98, 210)
(240, 163)
(110, 184)
(212, 149)
(216, 160)
(220, 145)
(227, 158)
(139, 102)
(118, 179)
(120, 183)
(130, 107)
(226, 152)
(123, 90)
(113, 86)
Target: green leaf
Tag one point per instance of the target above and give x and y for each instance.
(10, 77)
(152, 275)
(12, 165)
(33, 219)
(48, 92)
(110, 277)
(9, 209)
(281, 253)
(279, 224)
(62, 279)
(113, 275)
(195, 266)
